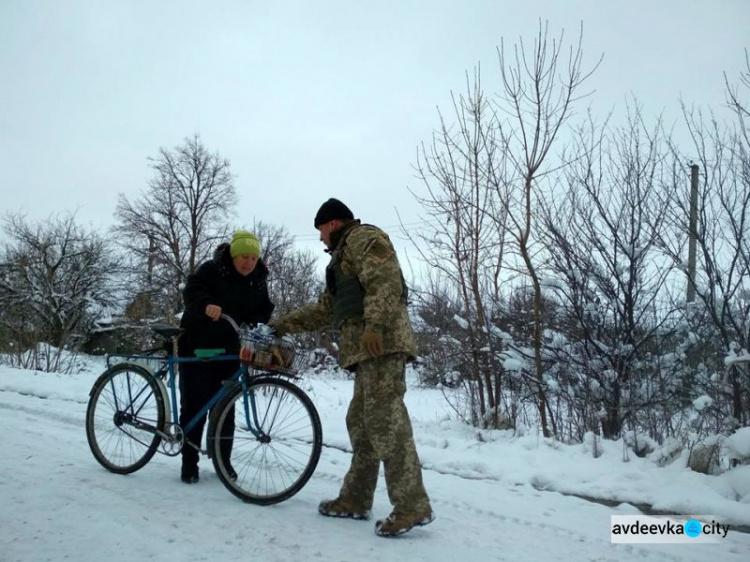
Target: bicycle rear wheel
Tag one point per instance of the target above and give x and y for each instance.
(265, 443)
(125, 409)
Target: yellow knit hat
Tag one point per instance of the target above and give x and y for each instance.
(244, 243)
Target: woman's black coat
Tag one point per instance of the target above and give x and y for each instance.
(244, 299)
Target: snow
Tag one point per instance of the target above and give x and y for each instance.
(739, 443)
(702, 402)
(497, 495)
(502, 335)
(461, 322)
(733, 358)
(551, 283)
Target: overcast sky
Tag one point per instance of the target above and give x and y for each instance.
(307, 99)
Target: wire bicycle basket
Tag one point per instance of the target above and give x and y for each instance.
(269, 353)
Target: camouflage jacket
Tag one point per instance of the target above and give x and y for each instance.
(366, 252)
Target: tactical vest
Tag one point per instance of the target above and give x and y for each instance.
(348, 294)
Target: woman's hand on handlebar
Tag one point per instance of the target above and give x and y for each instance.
(213, 312)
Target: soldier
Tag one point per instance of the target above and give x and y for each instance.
(365, 298)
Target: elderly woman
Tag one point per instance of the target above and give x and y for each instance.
(232, 283)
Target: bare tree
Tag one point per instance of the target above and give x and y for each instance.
(177, 221)
(482, 184)
(722, 289)
(734, 96)
(55, 278)
(540, 86)
(604, 239)
(293, 280)
(463, 246)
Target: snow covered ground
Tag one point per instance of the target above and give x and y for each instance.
(496, 496)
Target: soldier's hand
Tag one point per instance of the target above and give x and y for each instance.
(276, 330)
(372, 343)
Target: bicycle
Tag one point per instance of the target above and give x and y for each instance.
(277, 437)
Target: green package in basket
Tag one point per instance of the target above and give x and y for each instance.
(208, 353)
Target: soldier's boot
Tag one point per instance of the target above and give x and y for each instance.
(342, 508)
(399, 523)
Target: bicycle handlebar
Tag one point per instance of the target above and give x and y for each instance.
(231, 321)
(261, 331)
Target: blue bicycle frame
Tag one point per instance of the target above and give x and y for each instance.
(167, 370)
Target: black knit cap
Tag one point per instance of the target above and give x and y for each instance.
(332, 209)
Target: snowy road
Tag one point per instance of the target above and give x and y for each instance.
(59, 504)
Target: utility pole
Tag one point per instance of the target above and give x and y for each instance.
(693, 234)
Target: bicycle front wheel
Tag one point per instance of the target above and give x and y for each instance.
(125, 409)
(265, 440)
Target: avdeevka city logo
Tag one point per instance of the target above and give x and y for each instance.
(693, 528)
(665, 529)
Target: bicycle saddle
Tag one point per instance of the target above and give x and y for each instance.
(166, 330)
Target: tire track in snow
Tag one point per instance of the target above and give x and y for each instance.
(66, 418)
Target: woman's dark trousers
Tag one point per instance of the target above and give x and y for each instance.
(199, 382)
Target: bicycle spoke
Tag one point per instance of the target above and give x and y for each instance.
(276, 455)
(122, 409)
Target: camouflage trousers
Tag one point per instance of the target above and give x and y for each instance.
(380, 430)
